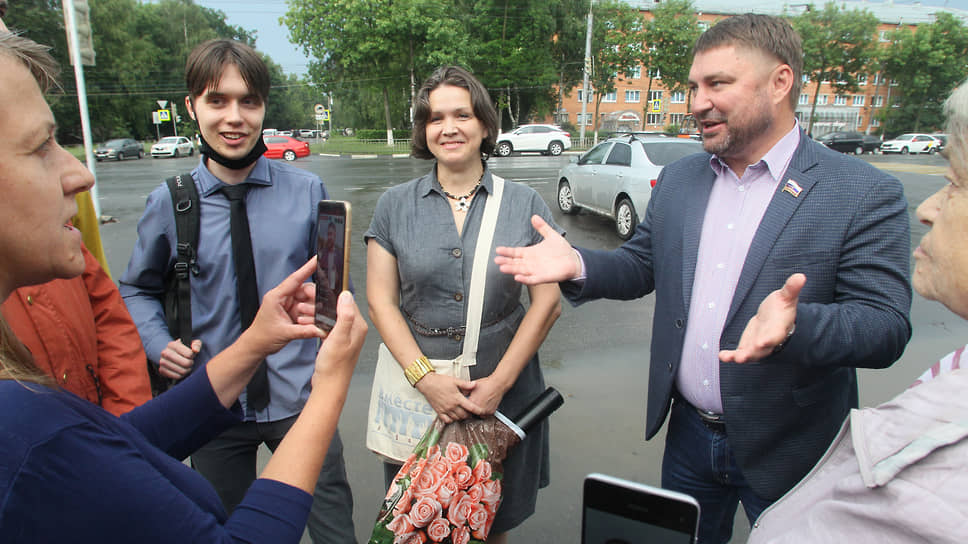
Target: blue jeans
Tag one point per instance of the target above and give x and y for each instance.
(698, 461)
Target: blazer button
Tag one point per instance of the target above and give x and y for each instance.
(456, 252)
(458, 296)
(457, 338)
(678, 323)
(670, 367)
(30, 300)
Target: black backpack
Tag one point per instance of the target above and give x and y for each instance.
(177, 301)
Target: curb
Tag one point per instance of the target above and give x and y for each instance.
(363, 155)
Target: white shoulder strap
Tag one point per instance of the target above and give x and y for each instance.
(482, 254)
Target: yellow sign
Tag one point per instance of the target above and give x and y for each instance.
(656, 106)
(164, 115)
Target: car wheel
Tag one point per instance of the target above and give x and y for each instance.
(141, 154)
(904, 151)
(625, 219)
(503, 149)
(175, 154)
(120, 156)
(191, 152)
(289, 155)
(555, 148)
(932, 151)
(859, 150)
(566, 200)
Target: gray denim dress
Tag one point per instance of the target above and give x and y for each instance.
(414, 222)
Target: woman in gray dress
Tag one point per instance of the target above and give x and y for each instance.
(420, 253)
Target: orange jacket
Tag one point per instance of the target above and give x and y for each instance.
(80, 332)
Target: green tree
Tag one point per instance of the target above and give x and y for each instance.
(617, 47)
(838, 45)
(926, 65)
(669, 38)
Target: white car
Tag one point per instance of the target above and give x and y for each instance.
(912, 143)
(173, 146)
(545, 139)
(615, 178)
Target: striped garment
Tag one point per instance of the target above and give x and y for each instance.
(949, 362)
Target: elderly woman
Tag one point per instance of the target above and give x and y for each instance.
(71, 472)
(899, 472)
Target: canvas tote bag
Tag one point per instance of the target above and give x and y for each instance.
(399, 414)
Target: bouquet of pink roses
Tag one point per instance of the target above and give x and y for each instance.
(449, 489)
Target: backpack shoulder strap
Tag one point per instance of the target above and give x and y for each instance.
(185, 200)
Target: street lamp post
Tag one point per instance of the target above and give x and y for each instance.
(584, 84)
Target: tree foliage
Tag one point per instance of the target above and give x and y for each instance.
(926, 66)
(669, 38)
(838, 46)
(618, 35)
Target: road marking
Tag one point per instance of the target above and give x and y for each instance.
(912, 168)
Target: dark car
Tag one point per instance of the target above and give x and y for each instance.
(119, 149)
(850, 142)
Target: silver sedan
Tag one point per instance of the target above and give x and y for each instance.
(615, 178)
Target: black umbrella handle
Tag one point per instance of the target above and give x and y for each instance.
(539, 409)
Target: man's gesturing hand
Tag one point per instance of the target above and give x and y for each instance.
(550, 261)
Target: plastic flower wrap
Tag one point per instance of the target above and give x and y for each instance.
(449, 489)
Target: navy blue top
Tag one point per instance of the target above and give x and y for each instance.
(72, 472)
(281, 207)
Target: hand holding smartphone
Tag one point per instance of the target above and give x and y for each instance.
(333, 219)
(618, 511)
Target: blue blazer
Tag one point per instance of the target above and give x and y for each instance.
(848, 231)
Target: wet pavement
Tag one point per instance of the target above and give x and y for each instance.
(596, 355)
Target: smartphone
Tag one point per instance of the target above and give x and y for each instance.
(332, 258)
(617, 511)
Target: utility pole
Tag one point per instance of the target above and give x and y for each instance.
(584, 84)
(70, 18)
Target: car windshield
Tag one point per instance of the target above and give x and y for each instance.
(169, 140)
(663, 153)
(905, 137)
(114, 143)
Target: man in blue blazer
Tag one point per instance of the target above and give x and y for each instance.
(766, 221)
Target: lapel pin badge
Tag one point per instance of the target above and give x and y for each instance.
(792, 188)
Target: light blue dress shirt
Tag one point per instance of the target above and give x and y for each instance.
(281, 208)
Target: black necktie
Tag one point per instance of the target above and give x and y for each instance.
(248, 291)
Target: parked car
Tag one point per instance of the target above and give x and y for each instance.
(541, 138)
(850, 142)
(285, 147)
(615, 178)
(942, 140)
(119, 149)
(911, 143)
(173, 146)
(308, 133)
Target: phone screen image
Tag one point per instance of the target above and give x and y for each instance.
(617, 511)
(332, 258)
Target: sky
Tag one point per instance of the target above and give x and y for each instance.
(272, 38)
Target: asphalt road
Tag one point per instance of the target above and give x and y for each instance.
(596, 355)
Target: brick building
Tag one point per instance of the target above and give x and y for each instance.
(632, 106)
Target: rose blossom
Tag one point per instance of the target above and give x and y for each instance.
(408, 464)
(438, 529)
(475, 492)
(463, 476)
(416, 537)
(456, 453)
(400, 525)
(460, 535)
(482, 472)
(403, 505)
(425, 510)
(417, 467)
(460, 508)
(441, 467)
(446, 491)
(433, 454)
(477, 521)
(492, 492)
(425, 483)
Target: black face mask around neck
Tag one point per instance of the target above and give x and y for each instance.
(234, 164)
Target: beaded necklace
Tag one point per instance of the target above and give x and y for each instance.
(464, 202)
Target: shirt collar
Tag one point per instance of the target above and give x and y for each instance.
(777, 159)
(208, 183)
(430, 184)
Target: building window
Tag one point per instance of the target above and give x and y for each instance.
(655, 95)
(678, 97)
(580, 94)
(877, 79)
(654, 119)
(840, 100)
(858, 100)
(875, 123)
(862, 79)
(805, 78)
(893, 83)
(804, 99)
(588, 119)
(676, 118)
(882, 36)
(609, 97)
(877, 101)
(655, 73)
(637, 72)
(632, 97)
(822, 100)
